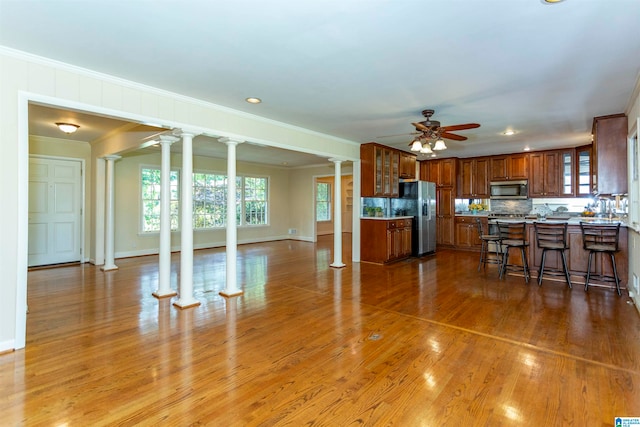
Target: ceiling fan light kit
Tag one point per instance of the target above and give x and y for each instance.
(440, 145)
(431, 129)
(416, 145)
(426, 149)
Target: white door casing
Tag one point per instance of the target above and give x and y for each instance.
(55, 211)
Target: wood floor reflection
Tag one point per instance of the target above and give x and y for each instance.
(422, 342)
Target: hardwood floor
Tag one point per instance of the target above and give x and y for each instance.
(423, 342)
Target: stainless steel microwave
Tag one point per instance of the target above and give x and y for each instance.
(509, 189)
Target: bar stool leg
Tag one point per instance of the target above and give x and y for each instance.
(541, 269)
(505, 261)
(615, 272)
(566, 270)
(483, 251)
(525, 265)
(586, 282)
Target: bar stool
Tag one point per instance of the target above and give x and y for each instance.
(601, 238)
(513, 235)
(484, 249)
(552, 237)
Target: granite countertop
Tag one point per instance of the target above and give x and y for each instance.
(570, 221)
(387, 218)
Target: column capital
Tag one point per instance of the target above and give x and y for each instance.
(185, 132)
(230, 141)
(168, 139)
(112, 157)
(336, 160)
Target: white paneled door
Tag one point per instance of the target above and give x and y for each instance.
(55, 211)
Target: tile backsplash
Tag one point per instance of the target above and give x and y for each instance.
(512, 206)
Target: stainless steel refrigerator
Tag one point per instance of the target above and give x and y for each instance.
(418, 199)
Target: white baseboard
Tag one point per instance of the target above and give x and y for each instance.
(209, 245)
(7, 346)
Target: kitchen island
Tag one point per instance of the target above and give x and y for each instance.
(385, 239)
(577, 257)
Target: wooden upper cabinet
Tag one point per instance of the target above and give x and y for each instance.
(441, 171)
(447, 172)
(583, 172)
(512, 166)
(552, 173)
(610, 154)
(407, 165)
(474, 178)
(430, 171)
(543, 181)
(379, 172)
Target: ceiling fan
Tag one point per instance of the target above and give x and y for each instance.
(431, 130)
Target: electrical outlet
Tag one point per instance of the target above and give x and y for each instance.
(293, 231)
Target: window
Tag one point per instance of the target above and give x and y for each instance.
(210, 200)
(150, 182)
(323, 201)
(255, 200)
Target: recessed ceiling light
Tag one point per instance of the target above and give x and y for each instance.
(67, 127)
(509, 132)
(527, 148)
(252, 100)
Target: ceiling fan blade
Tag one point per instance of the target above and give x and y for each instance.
(460, 127)
(399, 134)
(453, 136)
(421, 127)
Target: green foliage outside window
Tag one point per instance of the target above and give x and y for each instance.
(209, 200)
(323, 201)
(150, 181)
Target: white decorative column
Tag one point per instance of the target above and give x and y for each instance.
(186, 299)
(109, 249)
(164, 265)
(337, 216)
(231, 288)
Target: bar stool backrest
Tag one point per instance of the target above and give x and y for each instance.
(600, 237)
(512, 230)
(551, 235)
(479, 226)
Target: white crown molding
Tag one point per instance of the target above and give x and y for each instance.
(18, 54)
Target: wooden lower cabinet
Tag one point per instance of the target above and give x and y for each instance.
(385, 240)
(467, 232)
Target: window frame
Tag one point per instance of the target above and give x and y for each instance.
(240, 201)
(141, 200)
(327, 201)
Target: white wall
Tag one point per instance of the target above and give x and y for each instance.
(25, 78)
(302, 190)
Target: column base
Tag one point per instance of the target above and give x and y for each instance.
(232, 293)
(109, 267)
(158, 295)
(186, 304)
(337, 265)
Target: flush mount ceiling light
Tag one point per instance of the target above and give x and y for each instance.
(67, 127)
(252, 100)
(551, 1)
(509, 132)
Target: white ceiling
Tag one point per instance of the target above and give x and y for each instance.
(362, 70)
